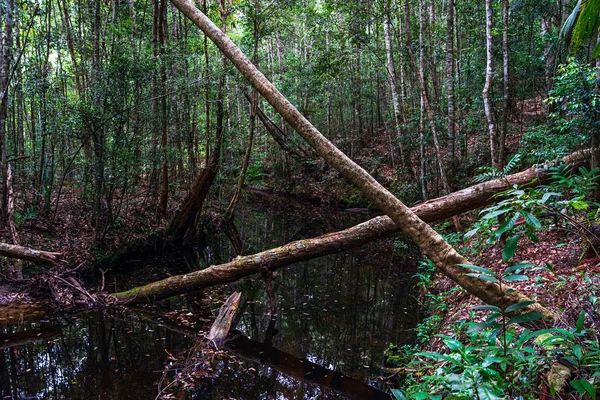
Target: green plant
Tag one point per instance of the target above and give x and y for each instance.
(488, 173)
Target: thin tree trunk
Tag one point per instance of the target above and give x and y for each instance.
(488, 85)
(162, 26)
(444, 256)
(391, 73)
(5, 66)
(505, 86)
(450, 81)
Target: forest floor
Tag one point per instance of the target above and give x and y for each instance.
(566, 277)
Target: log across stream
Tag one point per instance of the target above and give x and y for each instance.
(338, 313)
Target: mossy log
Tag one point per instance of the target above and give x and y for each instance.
(379, 227)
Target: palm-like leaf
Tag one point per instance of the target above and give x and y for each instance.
(582, 24)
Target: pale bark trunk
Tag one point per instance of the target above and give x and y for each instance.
(505, 86)
(488, 85)
(450, 80)
(444, 256)
(5, 70)
(391, 69)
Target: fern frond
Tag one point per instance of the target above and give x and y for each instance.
(511, 164)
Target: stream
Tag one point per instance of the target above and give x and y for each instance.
(335, 317)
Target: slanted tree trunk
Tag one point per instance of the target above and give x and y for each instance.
(442, 254)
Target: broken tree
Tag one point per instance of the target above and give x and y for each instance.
(444, 256)
(376, 228)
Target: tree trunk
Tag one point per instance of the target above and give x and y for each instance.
(5, 70)
(434, 210)
(444, 256)
(488, 85)
(450, 81)
(391, 73)
(505, 86)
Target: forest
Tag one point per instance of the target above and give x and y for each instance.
(300, 199)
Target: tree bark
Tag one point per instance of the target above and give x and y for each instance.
(505, 86)
(450, 81)
(391, 73)
(434, 210)
(488, 85)
(444, 256)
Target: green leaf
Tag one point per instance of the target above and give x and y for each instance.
(507, 225)
(495, 213)
(580, 321)
(579, 205)
(510, 248)
(532, 221)
(596, 51)
(453, 344)
(487, 308)
(518, 306)
(528, 317)
(584, 387)
(519, 267)
(484, 277)
(480, 326)
(398, 395)
(515, 278)
(478, 269)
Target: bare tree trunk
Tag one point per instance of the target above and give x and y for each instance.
(5, 70)
(450, 81)
(391, 72)
(488, 85)
(505, 86)
(444, 256)
(162, 26)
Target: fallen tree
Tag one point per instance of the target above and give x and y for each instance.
(25, 253)
(433, 210)
(446, 259)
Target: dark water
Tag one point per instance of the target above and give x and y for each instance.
(335, 317)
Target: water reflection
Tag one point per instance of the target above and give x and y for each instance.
(338, 312)
(105, 355)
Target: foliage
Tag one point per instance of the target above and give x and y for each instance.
(574, 102)
(582, 25)
(487, 173)
(521, 211)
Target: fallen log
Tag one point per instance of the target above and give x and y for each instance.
(25, 253)
(433, 210)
